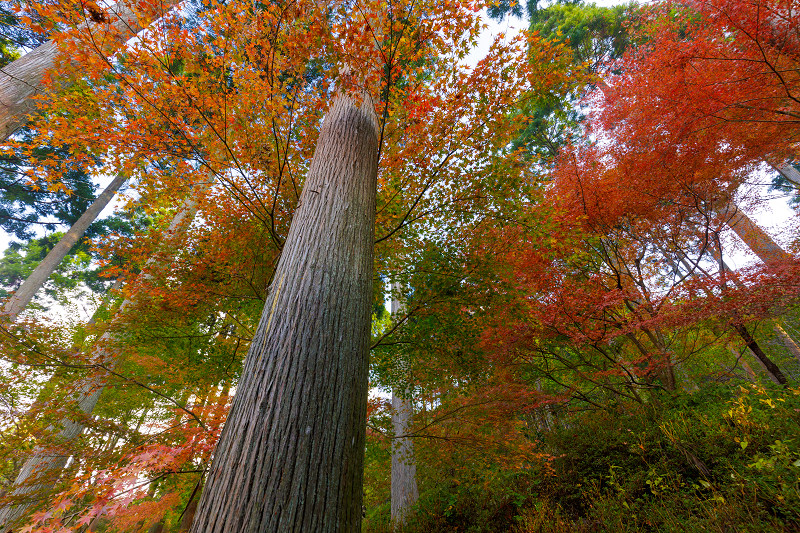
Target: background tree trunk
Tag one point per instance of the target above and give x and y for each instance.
(773, 372)
(753, 236)
(22, 296)
(21, 79)
(291, 453)
(41, 471)
(787, 341)
(404, 465)
(789, 172)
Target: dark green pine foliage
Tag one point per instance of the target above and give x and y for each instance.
(597, 36)
(788, 187)
(26, 206)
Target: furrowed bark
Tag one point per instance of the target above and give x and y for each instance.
(23, 78)
(291, 453)
(404, 466)
(22, 296)
(41, 471)
(789, 172)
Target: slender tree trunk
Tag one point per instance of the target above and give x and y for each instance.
(767, 364)
(22, 296)
(23, 78)
(41, 471)
(404, 464)
(291, 453)
(771, 368)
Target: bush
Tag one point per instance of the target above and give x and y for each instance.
(720, 460)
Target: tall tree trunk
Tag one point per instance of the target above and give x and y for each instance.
(291, 453)
(23, 78)
(752, 235)
(404, 464)
(41, 471)
(789, 172)
(22, 296)
(771, 369)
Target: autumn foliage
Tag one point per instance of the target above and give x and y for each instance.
(547, 292)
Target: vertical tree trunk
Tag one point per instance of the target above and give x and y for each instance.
(404, 465)
(22, 296)
(41, 471)
(291, 453)
(22, 79)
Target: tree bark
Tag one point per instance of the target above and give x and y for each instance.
(41, 471)
(773, 372)
(771, 368)
(789, 172)
(22, 296)
(404, 465)
(23, 78)
(291, 453)
(753, 236)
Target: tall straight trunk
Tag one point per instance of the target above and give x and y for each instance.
(404, 465)
(752, 235)
(291, 453)
(23, 78)
(41, 471)
(22, 296)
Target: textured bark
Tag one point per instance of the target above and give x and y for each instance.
(753, 236)
(291, 453)
(789, 172)
(22, 296)
(23, 78)
(189, 512)
(404, 466)
(41, 471)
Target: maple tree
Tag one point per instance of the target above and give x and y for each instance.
(434, 192)
(533, 288)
